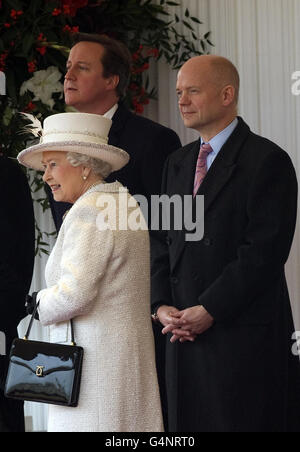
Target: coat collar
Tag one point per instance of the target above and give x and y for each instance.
(119, 121)
(218, 175)
(221, 169)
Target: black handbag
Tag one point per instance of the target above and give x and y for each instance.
(44, 372)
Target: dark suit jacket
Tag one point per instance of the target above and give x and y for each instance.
(148, 144)
(16, 266)
(240, 375)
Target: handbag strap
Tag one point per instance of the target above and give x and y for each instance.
(26, 337)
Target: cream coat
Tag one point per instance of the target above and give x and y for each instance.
(101, 278)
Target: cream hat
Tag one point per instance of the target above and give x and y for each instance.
(84, 133)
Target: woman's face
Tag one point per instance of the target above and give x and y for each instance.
(66, 181)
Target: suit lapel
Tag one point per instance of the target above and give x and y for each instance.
(183, 169)
(183, 185)
(224, 165)
(118, 123)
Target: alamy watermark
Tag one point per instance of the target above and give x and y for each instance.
(296, 84)
(2, 84)
(296, 345)
(164, 213)
(2, 344)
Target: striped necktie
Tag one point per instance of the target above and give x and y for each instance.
(201, 167)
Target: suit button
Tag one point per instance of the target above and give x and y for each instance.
(169, 241)
(207, 241)
(174, 280)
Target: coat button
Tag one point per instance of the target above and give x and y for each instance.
(169, 241)
(174, 280)
(207, 241)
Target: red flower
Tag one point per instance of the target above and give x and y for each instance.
(31, 66)
(41, 50)
(30, 107)
(153, 52)
(3, 57)
(70, 7)
(139, 108)
(67, 10)
(68, 29)
(14, 14)
(41, 37)
(56, 12)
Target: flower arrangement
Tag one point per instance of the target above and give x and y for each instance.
(36, 36)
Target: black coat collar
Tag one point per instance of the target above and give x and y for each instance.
(218, 175)
(220, 171)
(119, 121)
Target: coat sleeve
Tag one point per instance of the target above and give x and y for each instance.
(86, 252)
(271, 211)
(17, 243)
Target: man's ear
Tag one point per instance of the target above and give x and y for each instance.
(112, 82)
(228, 95)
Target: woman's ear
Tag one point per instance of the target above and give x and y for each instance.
(85, 172)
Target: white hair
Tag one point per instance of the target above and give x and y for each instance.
(98, 166)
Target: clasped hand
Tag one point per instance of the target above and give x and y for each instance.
(184, 325)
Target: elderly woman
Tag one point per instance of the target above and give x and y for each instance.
(99, 277)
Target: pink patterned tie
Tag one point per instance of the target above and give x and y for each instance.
(201, 167)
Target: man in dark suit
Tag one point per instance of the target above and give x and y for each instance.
(16, 266)
(223, 300)
(98, 73)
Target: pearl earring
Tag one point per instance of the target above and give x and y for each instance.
(84, 177)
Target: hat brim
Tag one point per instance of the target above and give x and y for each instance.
(32, 156)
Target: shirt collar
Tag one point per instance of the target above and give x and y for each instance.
(218, 141)
(109, 114)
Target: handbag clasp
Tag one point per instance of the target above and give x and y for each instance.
(39, 371)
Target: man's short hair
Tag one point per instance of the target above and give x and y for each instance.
(116, 59)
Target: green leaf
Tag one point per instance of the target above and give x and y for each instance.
(28, 41)
(195, 19)
(187, 25)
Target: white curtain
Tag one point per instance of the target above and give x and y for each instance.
(262, 38)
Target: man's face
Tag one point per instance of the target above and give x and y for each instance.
(85, 87)
(199, 98)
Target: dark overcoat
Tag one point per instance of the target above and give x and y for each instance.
(16, 267)
(240, 375)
